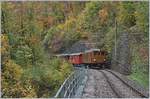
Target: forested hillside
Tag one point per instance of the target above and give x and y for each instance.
(32, 32)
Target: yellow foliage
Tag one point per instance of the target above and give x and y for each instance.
(4, 48)
(13, 70)
(69, 23)
(17, 90)
(103, 14)
(40, 24)
(84, 35)
(12, 85)
(65, 68)
(4, 42)
(45, 21)
(60, 26)
(34, 39)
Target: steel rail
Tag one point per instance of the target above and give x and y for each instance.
(142, 95)
(111, 85)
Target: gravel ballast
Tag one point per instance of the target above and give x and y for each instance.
(123, 89)
(97, 86)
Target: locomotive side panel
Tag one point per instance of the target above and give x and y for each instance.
(96, 57)
(89, 58)
(99, 57)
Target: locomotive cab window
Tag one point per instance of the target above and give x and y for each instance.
(102, 53)
(96, 53)
(99, 53)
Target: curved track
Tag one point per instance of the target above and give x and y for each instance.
(111, 85)
(120, 87)
(97, 86)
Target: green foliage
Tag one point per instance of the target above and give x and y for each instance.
(48, 77)
(140, 68)
(49, 35)
(87, 19)
(5, 54)
(92, 8)
(23, 55)
(142, 16)
(32, 34)
(26, 69)
(109, 40)
(58, 15)
(126, 14)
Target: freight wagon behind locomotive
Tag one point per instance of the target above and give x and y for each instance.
(76, 59)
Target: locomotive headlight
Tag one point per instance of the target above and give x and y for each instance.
(94, 59)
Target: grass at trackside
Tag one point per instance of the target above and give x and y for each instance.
(141, 78)
(140, 67)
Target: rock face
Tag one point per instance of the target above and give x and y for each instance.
(79, 46)
(121, 60)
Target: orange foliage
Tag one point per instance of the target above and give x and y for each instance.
(46, 21)
(144, 53)
(103, 15)
(34, 40)
(5, 45)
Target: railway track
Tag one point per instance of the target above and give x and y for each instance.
(120, 87)
(111, 85)
(105, 84)
(97, 86)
